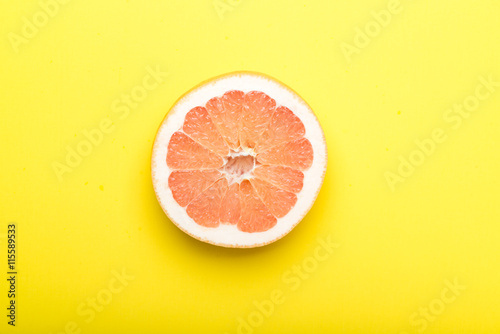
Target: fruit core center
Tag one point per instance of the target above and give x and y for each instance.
(239, 166)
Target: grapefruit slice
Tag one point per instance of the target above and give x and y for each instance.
(238, 161)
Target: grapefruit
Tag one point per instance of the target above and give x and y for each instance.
(238, 161)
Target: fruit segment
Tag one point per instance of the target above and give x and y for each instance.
(199, 126)
(277, 200)
(204, 209)
(285, 178)
(230, 209)
(296, 154)
(186, 185)
(283, 127)
(255, 216)
(258, 108)
(185, 153)
(226, 112)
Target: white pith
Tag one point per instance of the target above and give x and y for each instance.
(229, 235)
(233, 177)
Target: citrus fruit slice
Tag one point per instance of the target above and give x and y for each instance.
(238, 161)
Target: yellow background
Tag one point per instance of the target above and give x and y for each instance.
(397, 248)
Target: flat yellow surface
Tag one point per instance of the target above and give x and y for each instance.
(405, 234)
